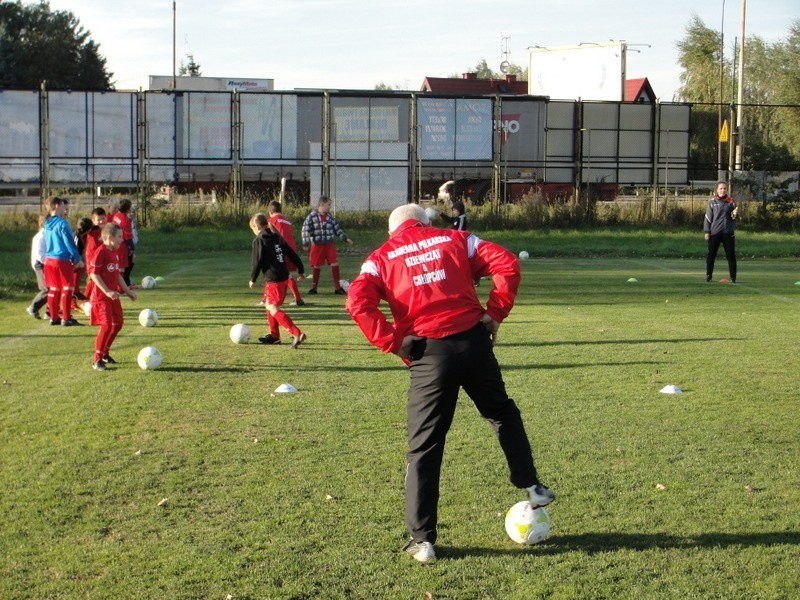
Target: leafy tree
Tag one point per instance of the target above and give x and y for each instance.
(40, 45)
(190, 68)
(700, 58)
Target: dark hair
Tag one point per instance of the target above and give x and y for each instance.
(99, 211)
(54, 201)
(459, 206)
(274, 206)
(84, 225)
(124, 205)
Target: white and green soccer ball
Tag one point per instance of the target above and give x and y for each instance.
(149, 358)
(240, 333)
(148, 317)
(148, 282)
(526, 525)
(524, 255)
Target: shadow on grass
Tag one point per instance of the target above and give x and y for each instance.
(606, 342)
(593, 543)
(205, 369)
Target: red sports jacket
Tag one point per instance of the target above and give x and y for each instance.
(427, 276)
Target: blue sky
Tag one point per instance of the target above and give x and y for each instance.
(355, 44)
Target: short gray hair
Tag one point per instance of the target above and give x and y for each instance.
(407, 212)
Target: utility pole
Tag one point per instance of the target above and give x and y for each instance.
(720, 171)
(739, 164)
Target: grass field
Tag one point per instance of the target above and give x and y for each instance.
(197, 481)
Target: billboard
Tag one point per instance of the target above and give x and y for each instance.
(585, 72)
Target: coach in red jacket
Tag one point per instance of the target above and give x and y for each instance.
(441, 330)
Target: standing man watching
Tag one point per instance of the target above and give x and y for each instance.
(440, 329)
(320, 229)
(719, 229)
(61, 259)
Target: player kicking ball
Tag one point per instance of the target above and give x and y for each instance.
(270, 254)
(109, 285)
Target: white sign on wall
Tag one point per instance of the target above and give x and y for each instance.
(588, 72)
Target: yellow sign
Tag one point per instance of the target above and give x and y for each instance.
(723, 133)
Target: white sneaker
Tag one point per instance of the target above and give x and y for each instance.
(420, 551)
(538, 495)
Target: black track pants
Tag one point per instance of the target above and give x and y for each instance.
(443, 367)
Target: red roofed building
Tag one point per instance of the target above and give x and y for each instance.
(470, 84)
(636, 90)
(639, 91)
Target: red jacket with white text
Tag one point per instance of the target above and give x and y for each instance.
(427, 276)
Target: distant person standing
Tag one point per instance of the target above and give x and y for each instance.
(283, 227)
(38, 250)
(719, 228)
(61, 259)
(320, 230)
(122, 218)
(458, 216)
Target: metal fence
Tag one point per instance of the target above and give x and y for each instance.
(367, 150)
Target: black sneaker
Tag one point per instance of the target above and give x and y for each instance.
(708, 277)
(99, 365)
(269, 339)
(55, 321)
(312, 291)
(420, 551)
(80, 296)
(340, 292)
(68, 323)
(298, 339)
(298, 303)
(33, 312)
(109, 360)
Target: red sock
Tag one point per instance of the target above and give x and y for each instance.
(315, 276)
(53, 302)
(294, 289)
(286, 322)
(336, 276)
(273, 326)
(66, 304)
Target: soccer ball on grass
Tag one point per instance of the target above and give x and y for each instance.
(148, 317)
(148, 282)
(524, 255)
(526, 525)
(240, 333)
(149, 358)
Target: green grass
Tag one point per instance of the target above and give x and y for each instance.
(301, 495)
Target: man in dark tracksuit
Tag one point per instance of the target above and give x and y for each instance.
(719, 229)
(445, 335)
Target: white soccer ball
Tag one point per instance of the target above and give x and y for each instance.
(240, 333)
(524, 255)
(148, 282)
(432, 213)
(87, 309)
(149, 358)
(345, 284)
(148, 317)
(526, 525)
